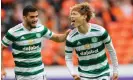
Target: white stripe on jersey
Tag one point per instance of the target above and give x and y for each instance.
(20, 69)
(107, 39)
(26, 42)
(89, 34)
(47, 35)
(92, 45)
(93, 67)
(93, 75)
(28, 60)
(68, 48)
(7, 40)
(17, 51)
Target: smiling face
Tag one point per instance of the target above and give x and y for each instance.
(31, 19)
(76, 18)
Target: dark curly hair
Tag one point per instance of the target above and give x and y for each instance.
(28, 8)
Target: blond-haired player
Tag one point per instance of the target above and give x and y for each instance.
(89, 42)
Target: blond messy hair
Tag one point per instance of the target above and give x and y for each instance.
(84, 9)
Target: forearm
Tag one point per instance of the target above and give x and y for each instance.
(113, 57)
(60, 38)
(2, 48)
(2, 66)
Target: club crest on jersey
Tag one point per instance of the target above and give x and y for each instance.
(94, 39)
(38, 35)
(86, 46)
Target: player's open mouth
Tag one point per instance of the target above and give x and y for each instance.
(34, 22)
(73, 21)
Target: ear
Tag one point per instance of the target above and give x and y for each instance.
(24, 17)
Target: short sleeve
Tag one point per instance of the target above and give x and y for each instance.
(47, 33)
(8, 39)
(106, 37)
(68, 47)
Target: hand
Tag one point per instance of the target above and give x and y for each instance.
(67, 32)
(3, 73)
(76, 77)
(115, 76)
(60, 37)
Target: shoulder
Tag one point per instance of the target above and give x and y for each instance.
(95, 27)
(73, 33)
(15, 28)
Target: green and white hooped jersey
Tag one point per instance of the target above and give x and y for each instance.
(26, 48)
(90, 49)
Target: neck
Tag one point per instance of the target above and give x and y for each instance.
(83, 28)
(27, 26)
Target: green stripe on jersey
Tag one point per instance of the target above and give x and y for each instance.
(29, 36)
(92, 61)
(92, 30)
(95, 71)
(10, 37)
(75, 34)
(50, 33)
(5, 43)
(26, 47)
(28, 65)
(105, 74)
(32, 35)
(105, 35)
(29, 73)
(69, 44)
(83, 41)
(27, 55)
(99, 49)
(108, 42)
(19, 30)
(68, 51)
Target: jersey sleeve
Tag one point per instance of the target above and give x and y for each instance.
(68, 50)
(106, 37)
(68, 47)
(47, 33)
(68, 57)
(108, 43)
(8, 39)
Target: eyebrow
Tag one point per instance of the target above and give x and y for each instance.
(34, 16)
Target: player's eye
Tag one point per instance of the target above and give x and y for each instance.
(31, 16)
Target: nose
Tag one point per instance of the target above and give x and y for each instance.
(35, 19)
(72, 17)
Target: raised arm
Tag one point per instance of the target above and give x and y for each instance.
(60, 37)
(53, 36)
